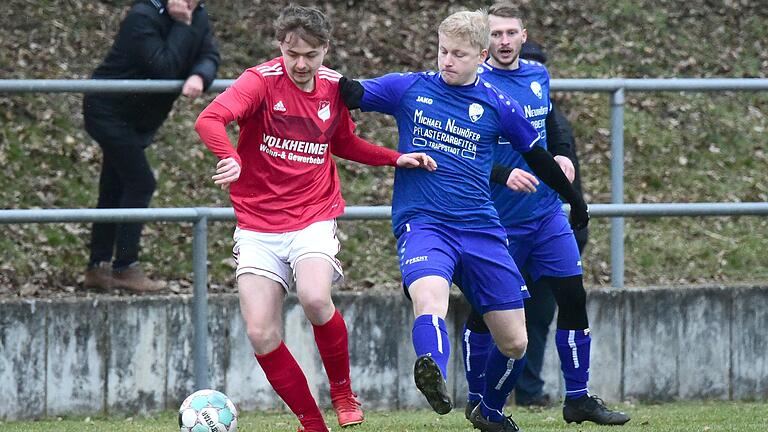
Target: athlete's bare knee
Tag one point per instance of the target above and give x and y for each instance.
(318, 309)
(263, 339)
(514, 347)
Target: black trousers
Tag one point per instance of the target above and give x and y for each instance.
(539, 312)
(126, 181)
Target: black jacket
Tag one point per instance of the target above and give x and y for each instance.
(151, 45)
(560, 141)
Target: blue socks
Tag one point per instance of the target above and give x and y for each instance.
(485, 365)
(573, 348)
(430, 337)
(501, 374)
(475, 347)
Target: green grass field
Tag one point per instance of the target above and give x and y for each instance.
(670, 417)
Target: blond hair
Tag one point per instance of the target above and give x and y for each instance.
(470, 26)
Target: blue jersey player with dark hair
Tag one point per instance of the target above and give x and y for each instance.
(540, 238)
(446, 226)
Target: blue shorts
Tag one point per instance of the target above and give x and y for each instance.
(545, 247)
(476, 260)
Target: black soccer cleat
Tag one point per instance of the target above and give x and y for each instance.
(480, 422)
(591, 408)
(430, 382)
(470, 406)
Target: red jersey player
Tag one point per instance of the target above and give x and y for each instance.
(285, 191)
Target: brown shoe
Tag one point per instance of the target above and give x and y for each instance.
(99, 277)
(133, 279)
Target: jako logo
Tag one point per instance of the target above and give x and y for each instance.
(424, 99)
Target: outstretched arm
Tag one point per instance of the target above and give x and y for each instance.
(545, 167)
(359, 150)
(211, 126)
(349, 146)
(523, 137)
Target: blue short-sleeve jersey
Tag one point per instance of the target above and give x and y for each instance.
(458, 126)
(529, 86)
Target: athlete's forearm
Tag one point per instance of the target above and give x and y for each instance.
(544, 166)
(359, 150)
(211, 126)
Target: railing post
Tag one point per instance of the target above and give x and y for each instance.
(200, 303)
(617, 186)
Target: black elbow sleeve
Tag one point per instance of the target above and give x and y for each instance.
(500, 174)
(351, 92)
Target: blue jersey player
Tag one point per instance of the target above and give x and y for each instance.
(445, 223)
(540, 238)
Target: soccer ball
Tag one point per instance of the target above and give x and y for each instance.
(207, 411)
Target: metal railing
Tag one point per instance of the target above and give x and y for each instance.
(615, 86)
(200, 216)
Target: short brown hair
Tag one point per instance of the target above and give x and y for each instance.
(307, 23)
(505, 9)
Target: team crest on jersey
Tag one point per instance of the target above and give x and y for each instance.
(324, 110)
(536, 89)
(475, 112)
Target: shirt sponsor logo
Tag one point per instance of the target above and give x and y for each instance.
(424, 99)
(279, 107)
(475, 112)
(536, 89)
(289, 149)
(324, 110)
(533, 112)
(448, 137)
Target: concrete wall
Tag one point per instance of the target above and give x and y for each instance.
(86, 356)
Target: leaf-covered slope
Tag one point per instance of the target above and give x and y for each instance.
(680, 147)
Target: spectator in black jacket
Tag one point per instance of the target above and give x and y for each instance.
(158, 39)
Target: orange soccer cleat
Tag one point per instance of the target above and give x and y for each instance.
(347, 409)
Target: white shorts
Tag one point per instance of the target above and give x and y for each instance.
(274, 255)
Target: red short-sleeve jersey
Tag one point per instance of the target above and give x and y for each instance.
(289, 179)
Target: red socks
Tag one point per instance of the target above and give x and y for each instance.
(289, 382)
(332, 342)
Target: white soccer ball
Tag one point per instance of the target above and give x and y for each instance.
(207, 411)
